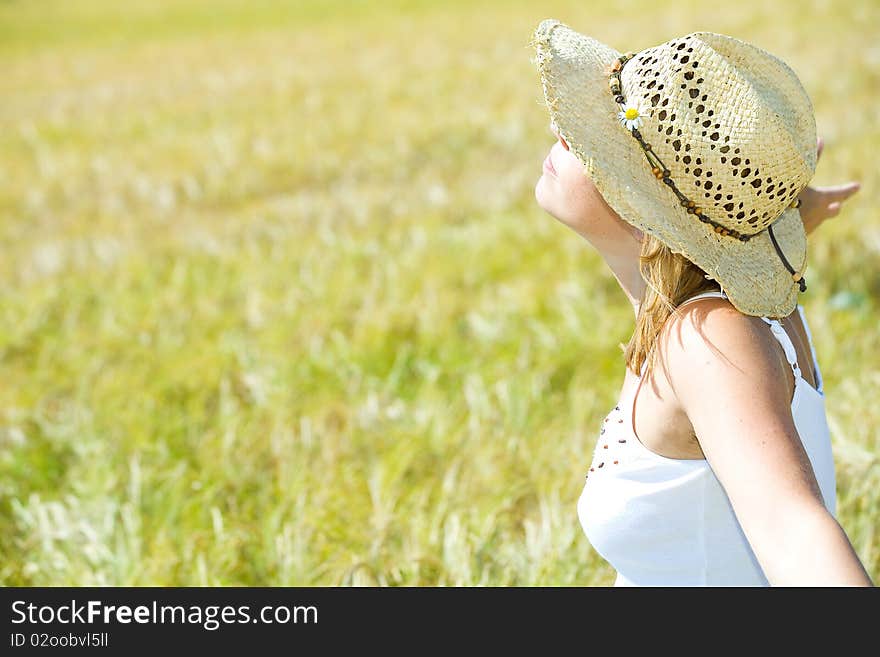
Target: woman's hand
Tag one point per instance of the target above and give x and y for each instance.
(821, 203)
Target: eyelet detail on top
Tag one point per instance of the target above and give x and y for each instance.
(615, 449)
(619, 450)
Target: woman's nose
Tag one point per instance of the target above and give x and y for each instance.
(556, 134)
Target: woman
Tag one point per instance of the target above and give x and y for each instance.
(684, 165)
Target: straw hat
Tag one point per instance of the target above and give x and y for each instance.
(704, 141)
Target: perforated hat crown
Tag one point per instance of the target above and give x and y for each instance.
(704, 141)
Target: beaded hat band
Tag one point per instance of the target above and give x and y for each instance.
(730, 138)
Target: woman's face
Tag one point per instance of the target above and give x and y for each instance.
(568, 194)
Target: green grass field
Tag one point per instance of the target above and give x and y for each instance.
(279, 308)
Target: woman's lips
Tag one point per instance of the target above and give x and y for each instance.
(548, 165)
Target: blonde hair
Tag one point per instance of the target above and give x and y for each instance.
(670, 279)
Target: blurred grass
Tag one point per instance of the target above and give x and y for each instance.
(278, 306)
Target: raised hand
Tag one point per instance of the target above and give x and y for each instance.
(821, 203)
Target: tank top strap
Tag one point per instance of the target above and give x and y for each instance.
(711, 293)
(819, 382)
(782, 337)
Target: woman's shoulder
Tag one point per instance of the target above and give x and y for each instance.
(711, 334)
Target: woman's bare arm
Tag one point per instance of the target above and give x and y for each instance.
(729, 379)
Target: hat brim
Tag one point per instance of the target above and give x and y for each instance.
(573, 69)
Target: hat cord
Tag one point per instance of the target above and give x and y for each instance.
(662, 173)
(801, 281)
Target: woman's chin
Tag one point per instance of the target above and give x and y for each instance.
(541, 194)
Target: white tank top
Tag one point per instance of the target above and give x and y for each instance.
(668, 522)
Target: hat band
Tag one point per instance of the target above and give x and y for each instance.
(662, 173)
